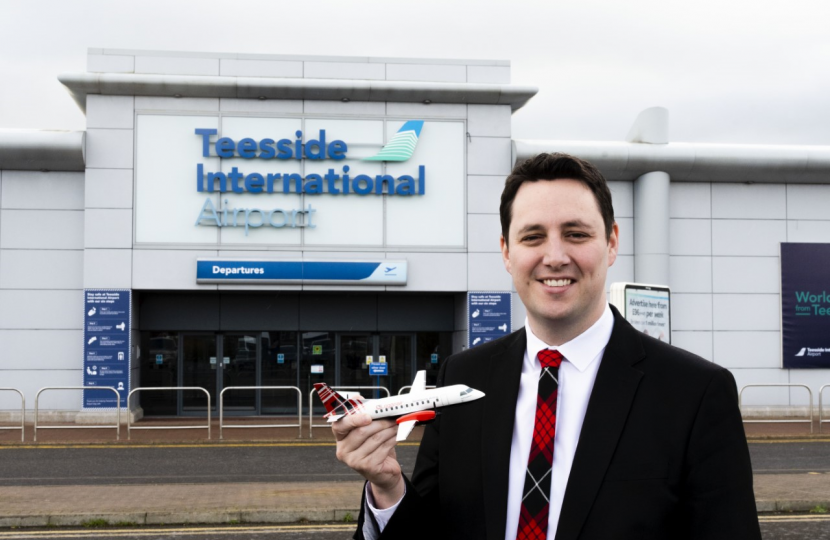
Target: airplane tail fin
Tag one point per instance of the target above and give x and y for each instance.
(336, 405)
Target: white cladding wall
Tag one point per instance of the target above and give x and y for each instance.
(725, 277)
(41, 281)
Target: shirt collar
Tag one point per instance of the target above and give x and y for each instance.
(582, 350)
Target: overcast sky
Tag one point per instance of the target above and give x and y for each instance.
(729, 71)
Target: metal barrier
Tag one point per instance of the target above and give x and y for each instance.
(117, 425)
(311, 424)
(809, 420)
(820, 419)
(22, 413)
(131, 427)
(298, 425)
(410, 388)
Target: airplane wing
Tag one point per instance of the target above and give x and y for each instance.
(404, 429)
(420, 382)
(408, 421)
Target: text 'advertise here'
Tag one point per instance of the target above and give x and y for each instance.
(339, 180)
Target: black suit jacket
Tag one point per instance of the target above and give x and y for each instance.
(662, 453)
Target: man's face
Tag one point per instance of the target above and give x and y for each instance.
(558, 255)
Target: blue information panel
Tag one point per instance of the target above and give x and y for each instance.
(378, 369)
(805, 302)
(253, 271)
(489, 316)
(106, 346)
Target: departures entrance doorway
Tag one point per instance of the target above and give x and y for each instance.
(215, 361)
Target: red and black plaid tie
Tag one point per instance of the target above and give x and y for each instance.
(533, 519)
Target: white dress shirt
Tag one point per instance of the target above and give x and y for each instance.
(576, 381)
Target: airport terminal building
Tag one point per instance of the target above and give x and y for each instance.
(233, 220)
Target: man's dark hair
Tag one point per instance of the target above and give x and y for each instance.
(556, 166)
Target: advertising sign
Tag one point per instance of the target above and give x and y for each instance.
(106, 346)
(646, 307)
(805, 305)
(488, 316)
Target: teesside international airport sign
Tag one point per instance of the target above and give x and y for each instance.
(338, 180)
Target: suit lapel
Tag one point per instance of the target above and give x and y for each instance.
(503, 378)
(608, 407)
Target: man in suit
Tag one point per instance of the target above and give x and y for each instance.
(589, 429)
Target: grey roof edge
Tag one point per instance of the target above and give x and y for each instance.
(695, 162)
(42, 150)
(80, 85)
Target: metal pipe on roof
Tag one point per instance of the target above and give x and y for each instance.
(42, 150)
(694, 162)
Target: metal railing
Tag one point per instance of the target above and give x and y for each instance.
(821, 420)
(22, 427)
(168, 388)
(796, 421)
(298, 425)
(311, 424)
(410, 388)
(117, 425)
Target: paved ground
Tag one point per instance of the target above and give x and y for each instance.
(191, 463)
(290, 501)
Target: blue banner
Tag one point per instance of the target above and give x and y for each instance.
(805, 305)
(384, 272)
(106, 346)
(488, 316)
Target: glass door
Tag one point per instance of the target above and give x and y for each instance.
(278, 368)
(318, 364)
(200, 366)
(354, 348)
(239, 368)
(357, 350)
(214, 362)
(398, 351)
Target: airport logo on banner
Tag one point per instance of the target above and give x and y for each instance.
(339, 179)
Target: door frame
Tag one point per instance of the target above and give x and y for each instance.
(220, 342)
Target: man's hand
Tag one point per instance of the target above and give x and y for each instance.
(369, 448)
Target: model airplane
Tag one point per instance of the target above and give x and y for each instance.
(418, 406)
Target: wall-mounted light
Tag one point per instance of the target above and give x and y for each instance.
(427, 101)
(262, 98)
(177, 95)
(345, 100)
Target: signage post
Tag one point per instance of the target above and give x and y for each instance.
(488, 316)
(378, 370)
(106, 345)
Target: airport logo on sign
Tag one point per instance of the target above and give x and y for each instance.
(812, 352)
(402, 145)
(334, 182)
